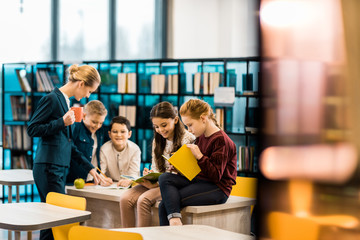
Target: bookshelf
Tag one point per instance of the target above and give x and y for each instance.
(133, 87)
(23, 84)
(156, 81)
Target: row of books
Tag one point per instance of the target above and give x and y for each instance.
(246, 158)
(207, 82)
(126, 82)
(161, 83)
(45, 78)
(20, 107)
(20, 162)
(15, 137)
(129, 112)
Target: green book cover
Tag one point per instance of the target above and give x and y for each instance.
(152, 177)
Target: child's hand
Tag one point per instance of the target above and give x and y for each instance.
(106, 181)
(147, 171)
(124, 182)
(195, 151)
(146, 183)
(172, 169)
(96, 176)
(69, 118)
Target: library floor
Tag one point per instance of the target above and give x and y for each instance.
(4, 235)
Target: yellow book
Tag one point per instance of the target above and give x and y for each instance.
(185, 162)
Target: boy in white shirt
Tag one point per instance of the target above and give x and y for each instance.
(120, 156)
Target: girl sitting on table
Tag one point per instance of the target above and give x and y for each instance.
(216, 155)
(169, 136)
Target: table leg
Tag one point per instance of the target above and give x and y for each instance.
(10, 194)
(29, 234)
(9, 201)
(17, 235)
(17, 193)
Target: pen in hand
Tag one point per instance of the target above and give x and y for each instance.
(101, 172)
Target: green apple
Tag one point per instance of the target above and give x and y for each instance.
(79, 183)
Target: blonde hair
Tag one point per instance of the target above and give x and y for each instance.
(95, 107)
(86, 73)
(195, 108)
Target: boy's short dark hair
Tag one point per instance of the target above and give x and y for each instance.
(120, 120)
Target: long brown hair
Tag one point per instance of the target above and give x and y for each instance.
(166, 110)
(195, 108)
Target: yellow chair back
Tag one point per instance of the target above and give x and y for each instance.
(91, 233)
(245, 187)
(63, 200)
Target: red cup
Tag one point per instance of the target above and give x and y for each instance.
(78, 111)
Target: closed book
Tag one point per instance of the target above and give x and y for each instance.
(185, 162)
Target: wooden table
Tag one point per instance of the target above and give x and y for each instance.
(102, 202)
(33, 216)
(104, 205)
(16, 177)
(188, 232)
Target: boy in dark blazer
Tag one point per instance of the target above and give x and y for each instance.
(88, 136)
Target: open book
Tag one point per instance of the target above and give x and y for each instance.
(152, 177)
(185, 162)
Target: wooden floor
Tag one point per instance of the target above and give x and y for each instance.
(4, 235)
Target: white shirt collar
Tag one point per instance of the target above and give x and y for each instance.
(66, 99)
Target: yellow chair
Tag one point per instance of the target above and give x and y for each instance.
(91, 233)
(245, 187)
(283, 226)
(67, 201)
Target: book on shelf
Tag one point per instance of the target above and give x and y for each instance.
(122, 83)
(247, 82)
(129, 112)
(219, 115)
(45, 80)
(20, 107)
(23, 81)
(131, 85)
(7, 136)
(206, 82)
(19, 162)
(15, 137)
(246, 158)
(158, 83)
(251, 130)
(126, 82)
(197, 83)
(224, 96)
(249, 93)
(172, 84)
(185, 162)
(214, 82)
(209, 82)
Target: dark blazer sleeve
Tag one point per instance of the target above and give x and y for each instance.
(80, 158)
(43, 123)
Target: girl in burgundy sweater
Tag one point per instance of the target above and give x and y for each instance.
(216, 155)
